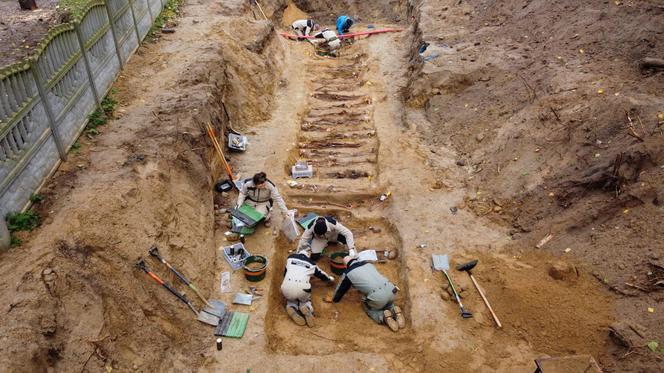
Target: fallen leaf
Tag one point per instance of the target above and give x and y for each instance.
(651, 309)
(652, 345)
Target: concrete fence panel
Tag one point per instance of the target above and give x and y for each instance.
(45, 100)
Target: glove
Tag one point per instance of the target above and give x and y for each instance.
(352, 252)
(330, 278)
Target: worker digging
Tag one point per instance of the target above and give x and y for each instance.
(325, 230)
(304, 27)
(296, 287)
(378, 292)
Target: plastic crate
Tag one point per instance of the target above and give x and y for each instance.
(236, 261)
(237, 142)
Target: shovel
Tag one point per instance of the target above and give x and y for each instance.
(141, 265)
(468, 267)
(214, 307)
(442, 263)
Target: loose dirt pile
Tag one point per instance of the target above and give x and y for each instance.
(557, 129)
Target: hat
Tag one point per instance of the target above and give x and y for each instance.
(320, 227)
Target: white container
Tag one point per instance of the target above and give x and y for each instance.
(302, 169)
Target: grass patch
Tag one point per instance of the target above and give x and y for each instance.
(75, 7)
(14, 241)
(171, 10)
(100, 117)
(76, 146)
(23, 221)
(36, 198)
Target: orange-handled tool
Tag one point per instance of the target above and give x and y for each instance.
(217, 147)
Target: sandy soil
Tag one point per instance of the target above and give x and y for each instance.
(22, 30)
(547, 86)
(368, 121)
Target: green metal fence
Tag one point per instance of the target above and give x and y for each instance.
(45, 100)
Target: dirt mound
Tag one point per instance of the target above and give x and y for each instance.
(567, 313)
(557, 128)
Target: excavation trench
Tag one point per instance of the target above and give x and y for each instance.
(74, 293)
(335, 133)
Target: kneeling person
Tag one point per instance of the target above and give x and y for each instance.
(322, 231)
(260, 193)
(331, 42)
(303, 27)
(297, 289)
(379, 293)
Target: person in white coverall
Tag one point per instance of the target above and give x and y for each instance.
(322, 231)
(331, 42)
(261, 193)
(297, 289)
(303, 27)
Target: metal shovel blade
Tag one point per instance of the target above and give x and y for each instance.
(216, 308)
(440, 262)
(207, 318)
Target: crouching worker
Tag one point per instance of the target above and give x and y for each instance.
(330, 42)
(297, 289)
(379, 293)
(303, 27)
(343, 24)
(260, 193)
(322, 231)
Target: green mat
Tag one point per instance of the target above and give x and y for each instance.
(241, 228)
(307, 219)
(248, 215)
(232, 325)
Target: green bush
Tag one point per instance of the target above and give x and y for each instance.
(36, 198)
(22, 221)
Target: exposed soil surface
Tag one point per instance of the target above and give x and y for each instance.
(486, 143)
(22, 30)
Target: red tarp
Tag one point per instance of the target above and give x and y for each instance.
(344, 36)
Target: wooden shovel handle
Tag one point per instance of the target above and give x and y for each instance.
(217, 147)
(477, 286)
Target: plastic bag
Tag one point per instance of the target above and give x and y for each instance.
(289, 227)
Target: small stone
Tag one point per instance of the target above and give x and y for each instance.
(47, 271)
(562, 271)
(134, 367)
(479, 137)
(461, 162)
(497, 209)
